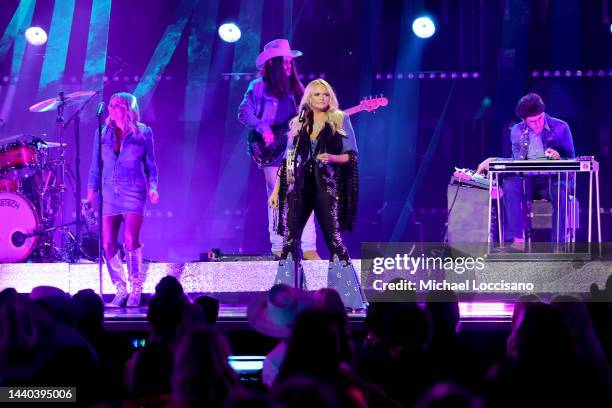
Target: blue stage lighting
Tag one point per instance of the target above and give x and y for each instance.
(36, 36)
(229, 32)
(423, 27)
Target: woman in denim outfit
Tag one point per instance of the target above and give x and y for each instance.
(129, 174)
(272, 99)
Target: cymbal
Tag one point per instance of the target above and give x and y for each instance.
(54, 144)
(14, 138)
(53, 103)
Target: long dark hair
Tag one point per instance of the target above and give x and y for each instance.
(277, 82)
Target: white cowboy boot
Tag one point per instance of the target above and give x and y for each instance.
(115, 270)
(136, 275)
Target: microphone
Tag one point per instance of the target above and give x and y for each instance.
(302, 117)
(100, 110)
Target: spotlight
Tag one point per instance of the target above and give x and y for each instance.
(423, 27)
(36, 36)
(229, 32)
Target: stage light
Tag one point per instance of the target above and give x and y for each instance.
(36, 36)
(229, 32)
(423, 27)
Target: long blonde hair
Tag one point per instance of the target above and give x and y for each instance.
(132, 117)
(335, 117)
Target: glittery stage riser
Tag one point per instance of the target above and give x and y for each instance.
(196, 277)
(258, 276)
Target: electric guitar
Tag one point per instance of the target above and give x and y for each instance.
(266, 155)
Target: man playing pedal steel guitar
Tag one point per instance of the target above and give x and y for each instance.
(537, 137)
(269, 102)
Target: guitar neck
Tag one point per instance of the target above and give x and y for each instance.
(353, 110)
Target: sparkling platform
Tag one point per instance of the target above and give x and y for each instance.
(258, 276)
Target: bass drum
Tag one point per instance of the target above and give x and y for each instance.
(19, 219)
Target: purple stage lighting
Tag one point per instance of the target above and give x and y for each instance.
(36, 36)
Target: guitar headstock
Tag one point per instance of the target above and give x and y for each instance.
(371, 104)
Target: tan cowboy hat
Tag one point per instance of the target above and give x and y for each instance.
(275, 314)
(276, 48)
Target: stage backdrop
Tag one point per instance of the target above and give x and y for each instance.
(451, 97)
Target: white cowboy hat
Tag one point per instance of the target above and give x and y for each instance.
(275, 314)
(276, 48)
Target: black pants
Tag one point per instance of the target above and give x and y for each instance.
(314, 196)
(518, 189)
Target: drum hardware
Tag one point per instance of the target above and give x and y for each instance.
(43, 196)
(60, 177)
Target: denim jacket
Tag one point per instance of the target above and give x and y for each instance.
(556, 135)
(257, 109)
(135, 163)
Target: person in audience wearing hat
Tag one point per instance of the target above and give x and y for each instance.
(274, 316)
(271, 100)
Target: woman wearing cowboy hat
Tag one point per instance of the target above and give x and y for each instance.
(271, 99)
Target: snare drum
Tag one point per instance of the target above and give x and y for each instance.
(18, 159)
(19, 219)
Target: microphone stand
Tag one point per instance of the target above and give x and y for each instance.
(297, 278)
(76, 118)
(100, 199)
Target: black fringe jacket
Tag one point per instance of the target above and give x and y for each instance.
(342, 180)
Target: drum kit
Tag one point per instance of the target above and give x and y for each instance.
(34, 177)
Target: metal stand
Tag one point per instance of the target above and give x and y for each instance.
(297, 283)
